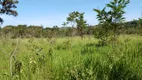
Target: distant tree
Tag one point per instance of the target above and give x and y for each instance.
(72, 19)
(7, 7)
(89, 31)
(140, 23)
(20, 31)
(38, 31)
(34, 31)
(64, 30)
(139, 26)
(64, 24)
(47, 33)
(55, 31)
(77, 18)
(8, 31)
(81, 24)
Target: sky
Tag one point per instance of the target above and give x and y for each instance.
(54, 12)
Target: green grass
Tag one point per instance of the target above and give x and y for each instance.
(72, 59)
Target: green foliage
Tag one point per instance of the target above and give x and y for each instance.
(72, 17)
(64, 46)
(121, 70)
(24, 31)
(57, 58)
(81, 24)
(110, 20)
(103, 33)
(7, 7)
(37, 59)
(77, 18)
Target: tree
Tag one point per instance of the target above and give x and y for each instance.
(7, 7)
(20, 31)
(116, 13)
(78, 19)
(81, 24)
(64, 24)
(102, 30)
(55, 31)
(72, 19)
(7, 31)
(139, 26)
(113, 17)
(64, 30)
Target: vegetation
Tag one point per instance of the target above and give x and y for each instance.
(110, 20)
(24, 31)
(58, 53)
(37, 59)
(7, 7)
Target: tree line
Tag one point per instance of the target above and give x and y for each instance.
(111, 23)
(24, 31)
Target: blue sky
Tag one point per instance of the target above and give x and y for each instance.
(54, 12)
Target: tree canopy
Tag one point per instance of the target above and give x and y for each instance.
(8, 8)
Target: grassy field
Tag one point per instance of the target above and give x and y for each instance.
(71, 59)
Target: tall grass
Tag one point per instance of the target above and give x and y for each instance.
(63, 59)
